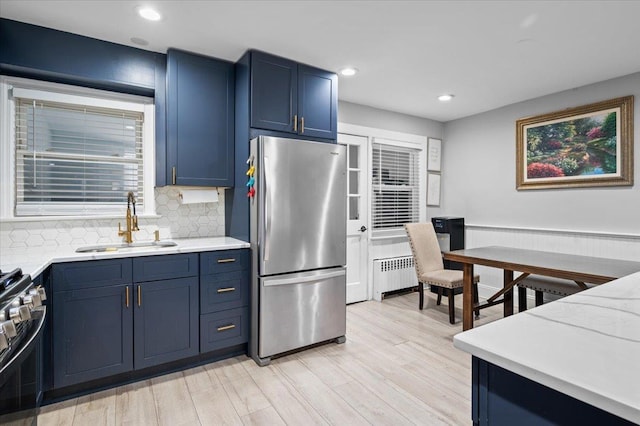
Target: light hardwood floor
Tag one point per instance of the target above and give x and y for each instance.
(397, 367)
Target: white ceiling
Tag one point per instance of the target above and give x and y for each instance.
(488, 53)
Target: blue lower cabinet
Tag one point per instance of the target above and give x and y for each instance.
(92, 334)
(156, 268)
(165, 321)
(224, 299)
(124, 315)
(501, 397)
(224, 291)
(223, 329)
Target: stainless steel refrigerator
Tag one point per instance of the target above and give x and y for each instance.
(298, 241)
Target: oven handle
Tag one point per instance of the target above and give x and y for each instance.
(35, 333)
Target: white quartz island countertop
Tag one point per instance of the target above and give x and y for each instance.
(34, 260)
(586, 346)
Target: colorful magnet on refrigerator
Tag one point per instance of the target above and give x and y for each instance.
(251, 171)
(251, 181)
(252, 192)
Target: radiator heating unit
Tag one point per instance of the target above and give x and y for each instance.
(392, 274)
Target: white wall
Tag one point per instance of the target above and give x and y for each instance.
(478, 172)
(380, 123)
(362, 115)
(478, 183)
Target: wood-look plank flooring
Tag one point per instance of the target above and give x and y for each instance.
(397, 367)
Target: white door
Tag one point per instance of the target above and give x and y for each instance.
(357, 216)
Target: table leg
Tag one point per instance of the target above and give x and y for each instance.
(508, 296)
(467, 296)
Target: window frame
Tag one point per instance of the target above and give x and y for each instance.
(422, 187)
(69, 94)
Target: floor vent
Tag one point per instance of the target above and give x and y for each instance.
(393, 274)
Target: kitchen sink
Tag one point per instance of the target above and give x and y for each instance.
(125, 246)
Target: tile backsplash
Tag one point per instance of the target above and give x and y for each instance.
(176, 221)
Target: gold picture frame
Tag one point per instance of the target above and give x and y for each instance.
(590, 145)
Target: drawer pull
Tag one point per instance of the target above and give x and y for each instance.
(227, 327)
(226, 290)
(226, 260)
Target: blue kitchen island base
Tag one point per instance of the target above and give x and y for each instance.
(501, 397)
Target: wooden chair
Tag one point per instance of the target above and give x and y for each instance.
(427, 259)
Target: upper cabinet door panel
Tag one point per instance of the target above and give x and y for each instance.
(317, 102)
(274, 87)
(200, 120)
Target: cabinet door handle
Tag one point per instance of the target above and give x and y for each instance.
(301, 124)
(226, 260)
(139, 296)
(126, 296)
(295, 123)
(226, 290)
(173, 175)
(227, 327)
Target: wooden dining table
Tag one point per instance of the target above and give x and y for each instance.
(580, 269)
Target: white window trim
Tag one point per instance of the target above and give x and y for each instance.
(396, 231)
(406, 140)
(75, 94)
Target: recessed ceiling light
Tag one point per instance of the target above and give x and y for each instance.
(348, 71)
(149, 14)
(445, 98)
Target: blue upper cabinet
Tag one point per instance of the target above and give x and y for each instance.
(46, 54)
(317, 102)
(292, 98)
(274, 93)
(200, 120)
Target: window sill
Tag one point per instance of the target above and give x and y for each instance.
(389, 236)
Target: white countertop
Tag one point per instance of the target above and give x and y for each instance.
(586, 345)
(34, 260)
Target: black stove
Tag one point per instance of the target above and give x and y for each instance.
(22, 315)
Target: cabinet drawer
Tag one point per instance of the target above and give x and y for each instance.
(224, 291)
(153, 268)
(224, 261)
(92, 273)
(223, 329)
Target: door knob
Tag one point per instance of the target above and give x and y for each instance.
(363, 228)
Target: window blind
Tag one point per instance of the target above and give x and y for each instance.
(395, 186)
(74, 159)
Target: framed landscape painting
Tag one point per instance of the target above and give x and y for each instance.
(591, 145)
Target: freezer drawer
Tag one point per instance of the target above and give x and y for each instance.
(301, 309)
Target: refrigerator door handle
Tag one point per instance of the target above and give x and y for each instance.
(267, 204)
(300, 280)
